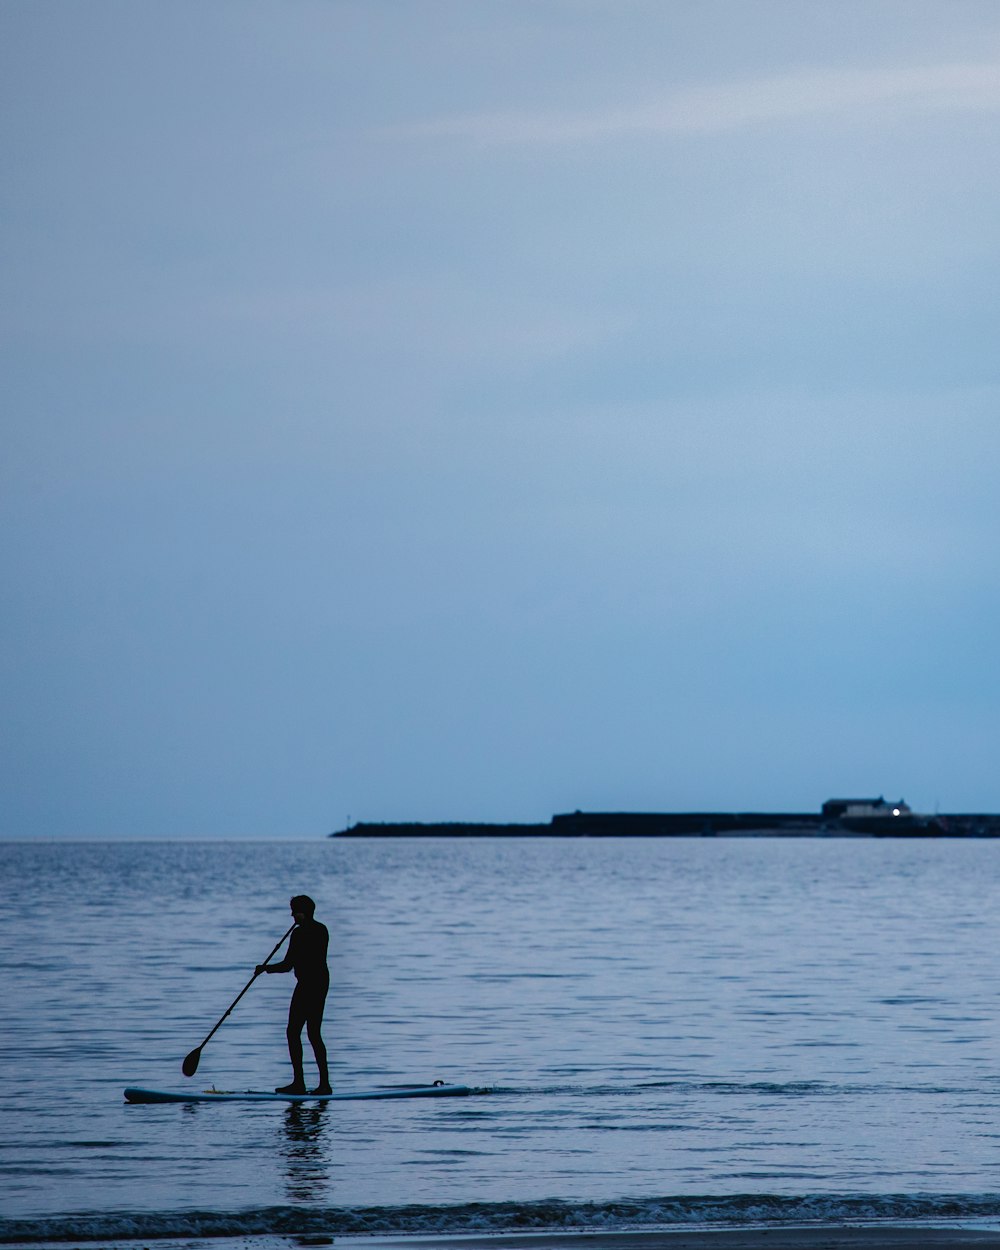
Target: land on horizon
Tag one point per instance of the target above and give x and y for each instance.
(866, 817)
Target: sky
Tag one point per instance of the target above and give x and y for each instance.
(481, 409)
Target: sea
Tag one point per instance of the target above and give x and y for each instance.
(697, 1032)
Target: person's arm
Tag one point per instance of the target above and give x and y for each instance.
(285, 966)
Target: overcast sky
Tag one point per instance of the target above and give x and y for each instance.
(480, 410)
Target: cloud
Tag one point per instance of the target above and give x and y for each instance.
(732, 107)
(432, 320)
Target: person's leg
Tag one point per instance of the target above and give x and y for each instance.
(297, 1010)
(314, 1025)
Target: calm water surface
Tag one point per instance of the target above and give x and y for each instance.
(692, 1029)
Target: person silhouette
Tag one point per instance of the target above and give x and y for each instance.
(306, 957)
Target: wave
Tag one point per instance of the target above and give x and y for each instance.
(724, 1088)
(506, 1217)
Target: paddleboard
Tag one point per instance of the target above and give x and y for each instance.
(259, 1095)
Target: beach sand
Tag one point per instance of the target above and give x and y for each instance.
(805, 1237)
(812, 1237)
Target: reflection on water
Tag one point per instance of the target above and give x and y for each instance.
(305, 1152)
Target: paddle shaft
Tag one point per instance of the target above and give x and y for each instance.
(190, 1064)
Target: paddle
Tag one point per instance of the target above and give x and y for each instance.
(190, 1065)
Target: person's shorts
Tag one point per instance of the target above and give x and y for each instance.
(307, 1004)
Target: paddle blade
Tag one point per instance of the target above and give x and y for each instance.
(190, 1065)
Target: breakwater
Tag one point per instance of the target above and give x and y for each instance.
(835, 820)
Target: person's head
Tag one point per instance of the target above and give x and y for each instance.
(302, 907)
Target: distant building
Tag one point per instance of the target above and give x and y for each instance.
(863, 809)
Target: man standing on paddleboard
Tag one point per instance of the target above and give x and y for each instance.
(307, 958)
